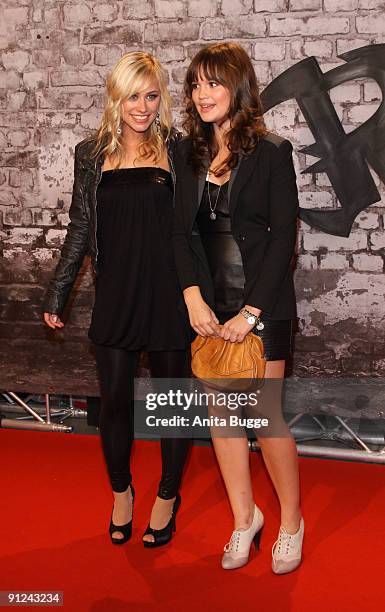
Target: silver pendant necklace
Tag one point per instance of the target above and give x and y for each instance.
(213, 215)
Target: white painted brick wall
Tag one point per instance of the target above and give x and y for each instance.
(372, 92)
(241, 27)
(315, 26)
(269, 50)
(367, 220)
(15, 60)
(319, 48)
(370, 24)
(105, 12)
(377, 241)
(35, 79)
(307, 262)
(76, 14)
(53, 96)
(316, 199)
(137, 9)
(315, 241)
(371, 4)
(235, 7)
(55, 237)
(304, 5)
(347, 92)
(341, 5)
(23, 235)
(349, 44)
(197, 8)
(361, 113)
(169, 8)
(332, 261)
(367, 263)
(272, 6)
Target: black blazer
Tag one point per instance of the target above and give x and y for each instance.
(263, 201)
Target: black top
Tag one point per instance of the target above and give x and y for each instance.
(136, 288)
(222, 252)
(81, 232)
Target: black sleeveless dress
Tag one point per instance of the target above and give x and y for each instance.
(226, 267)
(137, 290)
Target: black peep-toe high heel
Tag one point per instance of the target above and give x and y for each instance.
(163, 536)
(126, 529)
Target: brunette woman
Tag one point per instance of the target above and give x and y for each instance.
(234, 238)
(122, 208)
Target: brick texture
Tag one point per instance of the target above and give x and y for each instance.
(54, 58)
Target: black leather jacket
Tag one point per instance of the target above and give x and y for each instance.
(81, 232)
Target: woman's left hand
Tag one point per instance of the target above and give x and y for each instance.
(236, 329)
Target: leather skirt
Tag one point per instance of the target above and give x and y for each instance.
(277, 338)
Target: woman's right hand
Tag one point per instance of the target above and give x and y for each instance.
(52, 320)
(202, 319)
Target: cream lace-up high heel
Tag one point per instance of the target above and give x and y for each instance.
(287, 550)
(236, 552)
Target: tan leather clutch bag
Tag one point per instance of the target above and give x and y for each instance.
(229, 365)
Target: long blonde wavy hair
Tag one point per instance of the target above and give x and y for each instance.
(131, 73)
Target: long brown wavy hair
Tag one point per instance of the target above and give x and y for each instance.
(226, 63)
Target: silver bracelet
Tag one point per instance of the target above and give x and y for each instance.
(252, 319)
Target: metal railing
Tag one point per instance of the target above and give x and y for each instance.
(338, 437)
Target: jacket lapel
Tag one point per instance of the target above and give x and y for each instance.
(201, 185)
(190, 195)
(239, 177)
(202, 181)
(193, 189)
(232, 179)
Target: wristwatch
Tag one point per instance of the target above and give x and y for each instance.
(251, 318)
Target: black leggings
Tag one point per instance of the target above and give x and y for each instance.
(117, 369)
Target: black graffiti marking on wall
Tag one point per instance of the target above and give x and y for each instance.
(344, 157)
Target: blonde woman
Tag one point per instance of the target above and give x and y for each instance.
(121, 211)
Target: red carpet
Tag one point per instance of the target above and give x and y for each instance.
(55, 511)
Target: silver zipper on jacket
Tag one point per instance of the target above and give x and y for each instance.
(173, 176)
(97, 181)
